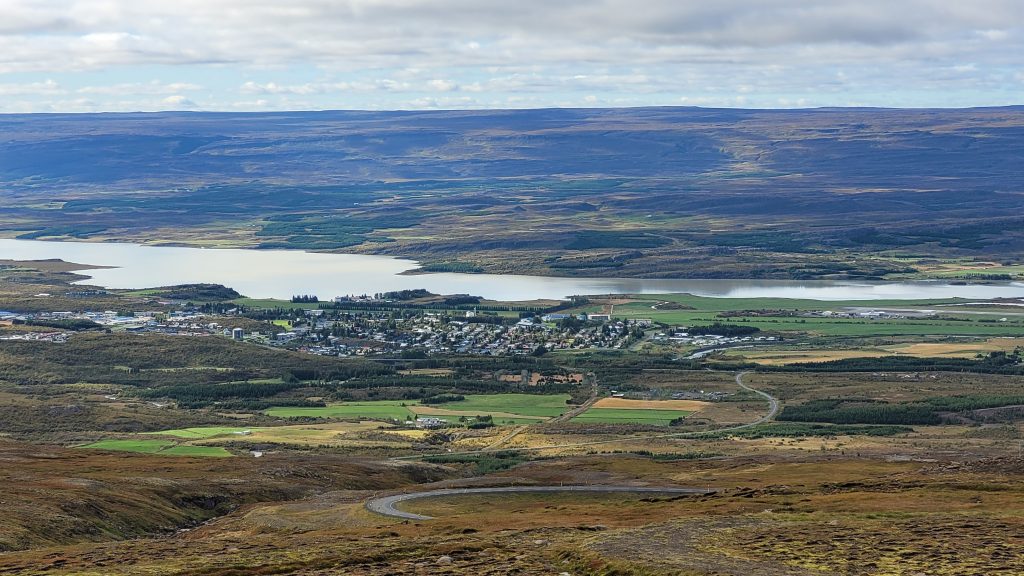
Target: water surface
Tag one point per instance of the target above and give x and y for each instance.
(283, 273)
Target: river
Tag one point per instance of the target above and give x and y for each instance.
(283, 273)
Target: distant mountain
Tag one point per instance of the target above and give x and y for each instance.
(644, 191)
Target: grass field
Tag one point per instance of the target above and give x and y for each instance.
(161, 447)
(504, 408)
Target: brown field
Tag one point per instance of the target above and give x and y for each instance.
(887, 386)
(427, 372)
(956, 349)
(626, 403)
(781, 357)
(960, 349)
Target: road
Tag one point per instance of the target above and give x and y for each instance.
(773, 404)
(773, 410)
(386, 505)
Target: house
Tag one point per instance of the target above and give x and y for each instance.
(430, 422)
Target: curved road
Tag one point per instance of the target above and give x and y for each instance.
(773, 410)
(386, 505)
(773, 404)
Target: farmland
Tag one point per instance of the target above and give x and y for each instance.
(504, 408)
(630, 416)
(159, 447)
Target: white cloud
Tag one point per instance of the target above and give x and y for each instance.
(154, 87)
(178, 102)
(46, 87)
(534, 51)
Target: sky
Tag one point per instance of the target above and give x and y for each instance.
(254, 55)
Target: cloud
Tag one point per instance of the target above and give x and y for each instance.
(468, 32)
(178, 102)
(613, 49)
(154, 87)
(46, 87)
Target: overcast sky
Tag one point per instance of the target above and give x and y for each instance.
(125, 55)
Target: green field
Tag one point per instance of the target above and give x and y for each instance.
(705, 311)
(523, 408)
(161, 447)
(270, 303)
(376, 410)
(629, 416)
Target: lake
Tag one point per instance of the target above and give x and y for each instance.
(283, 273)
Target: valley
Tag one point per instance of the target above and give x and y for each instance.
(197, 452)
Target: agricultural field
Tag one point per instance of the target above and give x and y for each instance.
(930, 348)
(630, 416)
(159, 447)
(626, 411)
(503, 408)
(923, 318)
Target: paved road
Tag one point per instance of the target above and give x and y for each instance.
(773, 403)
(386, 504)
(773, 410)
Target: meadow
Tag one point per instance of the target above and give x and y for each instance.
(159, 447)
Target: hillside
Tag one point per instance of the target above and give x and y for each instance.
(656, 192)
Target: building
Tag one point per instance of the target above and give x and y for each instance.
(237, 334)
(428, 422)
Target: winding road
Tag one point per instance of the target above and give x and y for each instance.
(386, 505)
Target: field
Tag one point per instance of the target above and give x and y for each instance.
(545, 406)
(756, 312)
(687, 405)
(934, 349)
(504, 408)
(204, 432)
(159, 447)
(630, 416)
